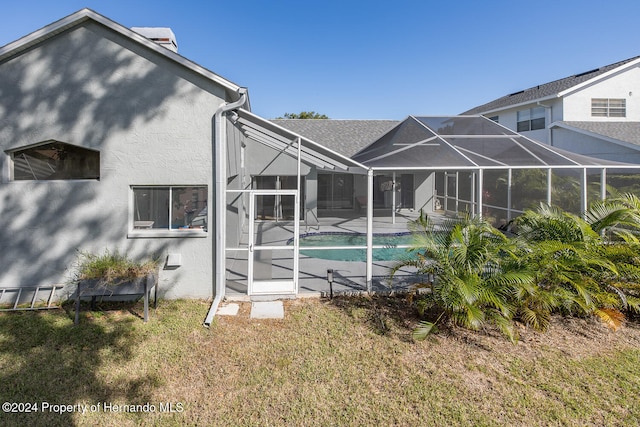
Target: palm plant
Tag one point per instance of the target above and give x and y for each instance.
(471, 286)
(616, 218)
(564, 251)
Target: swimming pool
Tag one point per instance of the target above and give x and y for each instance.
(327, 245)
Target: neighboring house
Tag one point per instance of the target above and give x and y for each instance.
(595, 113)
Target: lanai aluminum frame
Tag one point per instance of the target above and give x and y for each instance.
(476, 144)
(418, 144)
(302, 151)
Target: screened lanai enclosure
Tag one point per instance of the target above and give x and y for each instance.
(296, 209)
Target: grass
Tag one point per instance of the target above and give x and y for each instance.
(112, 267)
(350, 361)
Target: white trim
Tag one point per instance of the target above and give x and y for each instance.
(152, 233)
(602, 76)
(369, 268)
(274, 286)
(518, 105)
(177, 234)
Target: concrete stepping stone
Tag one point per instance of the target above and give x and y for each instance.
(267, 310)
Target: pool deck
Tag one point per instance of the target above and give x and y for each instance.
(349, 277)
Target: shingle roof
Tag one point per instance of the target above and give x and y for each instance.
(544, 90)
(622, 131)
(346, 137)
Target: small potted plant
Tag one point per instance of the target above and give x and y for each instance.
(112, 273)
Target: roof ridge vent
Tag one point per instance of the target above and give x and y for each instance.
(587, 72)
(162, 35)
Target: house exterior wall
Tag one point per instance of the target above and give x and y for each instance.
(424, 187)
(625, 85)
(509, 118)
(569, 140)
(152, 121)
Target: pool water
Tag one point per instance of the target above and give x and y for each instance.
(390, 251)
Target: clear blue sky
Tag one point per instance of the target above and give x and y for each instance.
(372, 59)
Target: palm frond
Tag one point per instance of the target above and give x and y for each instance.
(423, 330)
(611, 317)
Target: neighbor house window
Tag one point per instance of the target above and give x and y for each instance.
(608, 107)
(531, 119)
(55, 160)
(170, 208)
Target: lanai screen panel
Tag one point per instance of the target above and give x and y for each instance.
(508, 151)
(460, 142)
(464, 125)
(410, 145)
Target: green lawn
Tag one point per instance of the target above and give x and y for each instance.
(340, 362)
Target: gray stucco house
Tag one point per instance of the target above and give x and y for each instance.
(105, 142)
(110, 139)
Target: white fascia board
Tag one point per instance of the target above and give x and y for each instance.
(602, 76)
(520, 104)
(83, 15)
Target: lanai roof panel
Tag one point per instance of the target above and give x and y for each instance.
(463, 142)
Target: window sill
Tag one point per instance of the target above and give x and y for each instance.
(151, 234)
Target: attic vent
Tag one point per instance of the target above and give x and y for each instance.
(516, 93)
(587, 72)
(163, 36)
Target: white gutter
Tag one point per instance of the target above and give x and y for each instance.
(220, 150)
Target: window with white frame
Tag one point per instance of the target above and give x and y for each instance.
(608, 107)
(173, 208)
(531, 119)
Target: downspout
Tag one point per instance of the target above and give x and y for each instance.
(220, 150)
